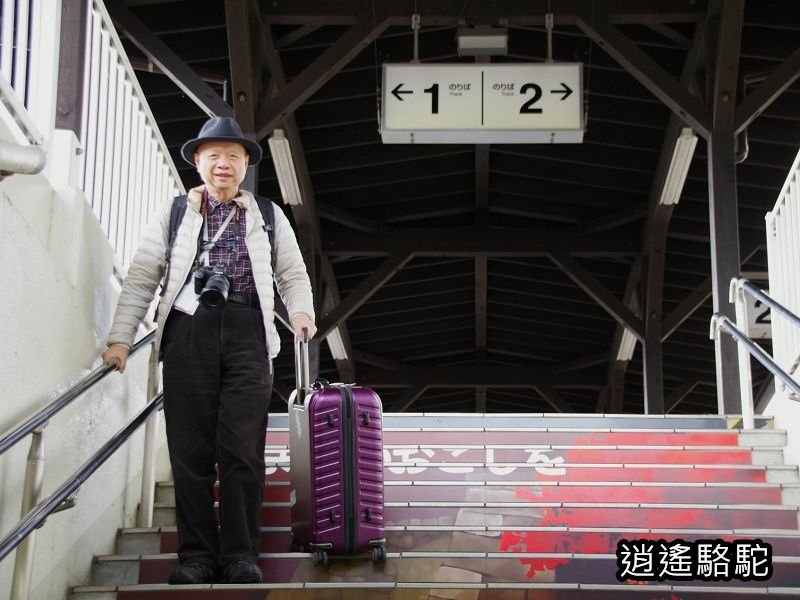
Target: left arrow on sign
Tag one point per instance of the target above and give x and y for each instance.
(567, 91)
(397, 91)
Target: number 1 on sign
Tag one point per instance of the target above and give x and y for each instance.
(434, 92)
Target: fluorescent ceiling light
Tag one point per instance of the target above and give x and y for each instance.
(482, 41)
(678, 167)
(284, 168)
(336, 345)
(626, 346)
(627, 343)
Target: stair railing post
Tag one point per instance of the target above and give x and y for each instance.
(31, 496)
(737, 297)
(149, 455)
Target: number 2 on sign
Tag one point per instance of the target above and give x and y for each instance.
(763, 317)
(537, 94)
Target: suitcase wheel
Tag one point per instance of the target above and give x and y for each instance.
(320, 558)
(378, 554)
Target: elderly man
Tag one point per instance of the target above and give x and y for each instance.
(217, 338)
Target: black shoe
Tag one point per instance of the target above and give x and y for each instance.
(192, 572)
(242, 572)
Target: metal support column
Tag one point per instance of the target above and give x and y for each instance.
(652, 354)
(615, 399)
(724, 223)
(72, 53)
(245, 68)
(31, 495)
(146, 505)
(723, 203)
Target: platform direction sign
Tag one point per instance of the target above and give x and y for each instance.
(482, 103)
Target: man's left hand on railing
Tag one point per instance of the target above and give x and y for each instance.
(117, 355)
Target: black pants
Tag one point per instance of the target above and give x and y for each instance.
(217, 386)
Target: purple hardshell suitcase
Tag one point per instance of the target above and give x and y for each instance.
(336, 467)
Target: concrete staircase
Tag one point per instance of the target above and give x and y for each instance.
(524, 507)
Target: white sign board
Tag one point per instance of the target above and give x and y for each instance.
(482, 103)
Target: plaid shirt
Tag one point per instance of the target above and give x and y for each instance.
(230, 249)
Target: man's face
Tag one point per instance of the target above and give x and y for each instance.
(222, 166)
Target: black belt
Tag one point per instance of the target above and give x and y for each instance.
(246, 299)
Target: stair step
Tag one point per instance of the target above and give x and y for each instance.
(561, 491)
(581, 515)
(461, 567)
(510, 510)
(514, 507)
(465, 421)
(160, 540)
(575, 492)
(550, 469)
(673, 455)
(432, 591)
(530, 453)
(577, 437)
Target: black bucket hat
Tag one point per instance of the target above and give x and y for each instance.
(221, 129)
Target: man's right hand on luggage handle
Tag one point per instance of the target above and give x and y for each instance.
(304, 328)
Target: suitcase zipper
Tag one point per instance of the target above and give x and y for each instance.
(349, 433)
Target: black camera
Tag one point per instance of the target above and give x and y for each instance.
(213, 285)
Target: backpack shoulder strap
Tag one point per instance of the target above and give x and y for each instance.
(175, 218)
(268, 213)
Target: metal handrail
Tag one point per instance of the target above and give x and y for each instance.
(41, 418)
(746, 286)
(723, 322)
(746, 347)
(39, 514)
(34, 513)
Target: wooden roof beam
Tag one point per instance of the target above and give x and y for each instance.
(467, 377)
(313, 77)
(515, 242)
(168, 62)
(588, 283)
(452, 13)
(767, 91)
(362, 293)
(647, 71)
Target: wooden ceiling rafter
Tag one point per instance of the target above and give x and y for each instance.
(167, 61)
(589, 204)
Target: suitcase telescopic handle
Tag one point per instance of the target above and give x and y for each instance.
(301, 367)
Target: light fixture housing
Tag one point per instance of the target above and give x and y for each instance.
(627, 343)
(482, 41)
(336, 345)
(678, 167)
(626, 346)
(284, 168)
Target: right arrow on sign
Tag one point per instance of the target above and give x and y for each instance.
(567, 91)
(397, 91)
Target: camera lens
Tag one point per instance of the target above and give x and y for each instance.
(215, 293)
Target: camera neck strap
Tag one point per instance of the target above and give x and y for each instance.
(207, 246)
